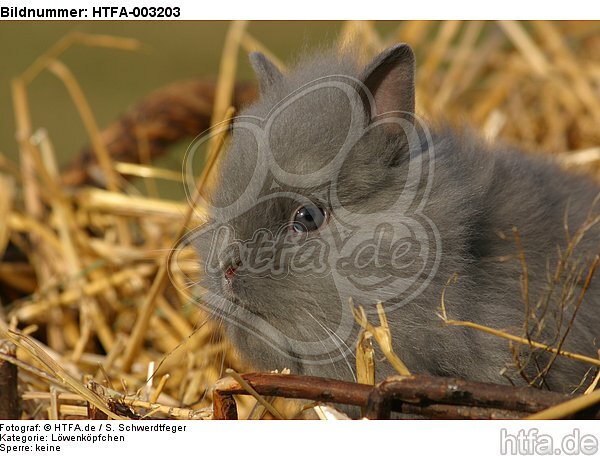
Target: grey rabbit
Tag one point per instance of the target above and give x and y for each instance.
(331, 188)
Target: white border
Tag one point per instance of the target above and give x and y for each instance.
(343, 10)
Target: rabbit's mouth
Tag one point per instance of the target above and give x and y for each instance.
(227, 287)
(229, 270)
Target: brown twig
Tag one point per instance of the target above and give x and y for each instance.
(10, 408)
(408, 394)
(565, 409)
(436, 397)
(290, 386)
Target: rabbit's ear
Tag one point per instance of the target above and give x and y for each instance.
(266, 71)
(390, 78)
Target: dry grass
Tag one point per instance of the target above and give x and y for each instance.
(88, 300)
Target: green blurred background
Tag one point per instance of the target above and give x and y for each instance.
(113, 80)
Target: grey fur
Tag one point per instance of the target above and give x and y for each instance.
(267, 73)
(479, 193)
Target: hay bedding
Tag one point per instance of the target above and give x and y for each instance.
(87, 299)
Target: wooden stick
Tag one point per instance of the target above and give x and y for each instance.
(421, 390)
(224, 407)
(290, 386)
(261, 400)
(10, 407)
(69, 381)
(436, 397)
(461, 412)
(568, 408)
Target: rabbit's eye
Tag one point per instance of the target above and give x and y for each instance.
(308, 218)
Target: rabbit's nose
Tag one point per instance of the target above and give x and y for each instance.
(230, 263)
(230, 272)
